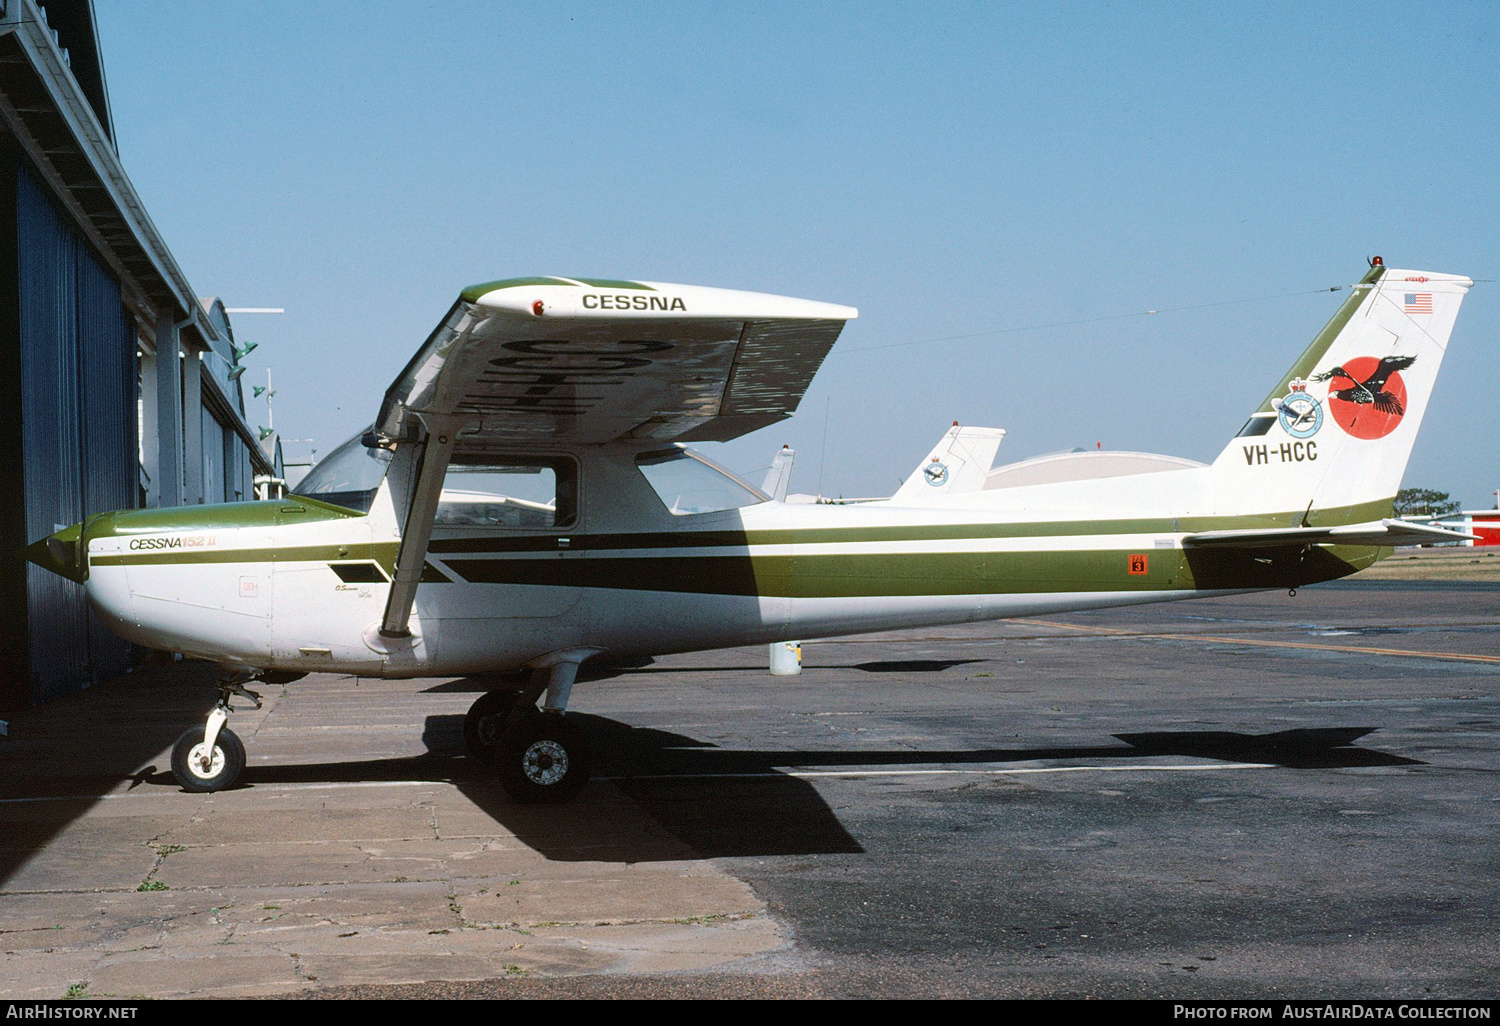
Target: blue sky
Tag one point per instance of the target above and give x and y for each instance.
(946, 168)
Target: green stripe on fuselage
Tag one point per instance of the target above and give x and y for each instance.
(1334, 517)
(852, 574)
(383, 553)
(869, 575)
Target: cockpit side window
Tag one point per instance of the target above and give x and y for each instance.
(510, 492)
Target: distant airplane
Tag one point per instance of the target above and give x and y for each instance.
(524, 499)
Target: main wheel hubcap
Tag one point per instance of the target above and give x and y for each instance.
(545, 763)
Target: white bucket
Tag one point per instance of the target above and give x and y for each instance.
(786, 658)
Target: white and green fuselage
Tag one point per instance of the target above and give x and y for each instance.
(302, 585)
(297, 585)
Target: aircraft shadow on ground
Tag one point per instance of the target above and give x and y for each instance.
(700, 800)
(82, 746)
(711, 802)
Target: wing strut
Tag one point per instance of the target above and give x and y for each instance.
(421, 511)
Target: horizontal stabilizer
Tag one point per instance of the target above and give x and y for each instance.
(1376, 532)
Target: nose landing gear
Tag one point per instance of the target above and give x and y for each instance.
(212, 759)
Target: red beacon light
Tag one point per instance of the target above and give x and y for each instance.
(538, 307)
(1376, 261)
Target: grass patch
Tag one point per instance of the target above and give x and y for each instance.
(153, 885)
(77, 992)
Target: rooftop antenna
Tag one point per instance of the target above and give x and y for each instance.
(823, 451)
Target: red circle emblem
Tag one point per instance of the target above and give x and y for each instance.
(1366, 408)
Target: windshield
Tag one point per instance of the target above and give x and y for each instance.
(349, 476)
(687, 483)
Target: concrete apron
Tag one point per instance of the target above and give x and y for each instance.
(348, 858)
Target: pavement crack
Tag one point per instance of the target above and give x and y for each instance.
(551, 924)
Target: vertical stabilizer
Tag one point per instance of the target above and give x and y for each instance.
(960, 462)
(1336, 432)
(780, 474)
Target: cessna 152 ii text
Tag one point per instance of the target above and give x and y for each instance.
(525, 499)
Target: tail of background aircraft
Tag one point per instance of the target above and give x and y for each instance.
(1336, 433)
(960, 462)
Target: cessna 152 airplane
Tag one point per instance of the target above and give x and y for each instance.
(525, 499)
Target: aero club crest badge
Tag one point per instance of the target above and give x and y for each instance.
(1300, 414)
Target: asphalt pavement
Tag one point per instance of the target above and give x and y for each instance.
(1254, 796)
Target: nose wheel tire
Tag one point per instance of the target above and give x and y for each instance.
(220, 770)
(485, 722)
(543, 759)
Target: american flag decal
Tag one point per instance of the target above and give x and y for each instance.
(1418, 303)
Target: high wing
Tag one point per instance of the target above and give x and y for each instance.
(1376, 532)
(588, 360)
(591, 360)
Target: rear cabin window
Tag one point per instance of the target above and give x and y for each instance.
(687, 483)
(520, 492)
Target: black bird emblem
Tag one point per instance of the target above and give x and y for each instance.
(1371, 391)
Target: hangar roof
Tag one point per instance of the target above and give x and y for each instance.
(52, 100)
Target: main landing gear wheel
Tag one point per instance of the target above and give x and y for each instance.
(485, 722)
(213, 773)
(543, 758)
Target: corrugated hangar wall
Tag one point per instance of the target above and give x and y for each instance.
(77, 377)
(85, 283)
